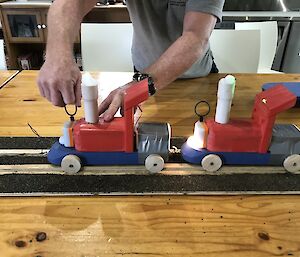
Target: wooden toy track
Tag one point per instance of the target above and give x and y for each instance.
(24, 170)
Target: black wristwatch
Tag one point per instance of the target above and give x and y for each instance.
(138, 76)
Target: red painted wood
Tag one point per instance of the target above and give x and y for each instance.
(267, 105)
(134, 95)
(255, 134)
(236, 136)
(114, 136)
(106, 137)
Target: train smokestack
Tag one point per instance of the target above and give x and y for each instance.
(89, 89)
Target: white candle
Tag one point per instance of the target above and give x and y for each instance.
(225, 94)
(89, 89)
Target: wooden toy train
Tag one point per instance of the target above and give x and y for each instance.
(91, 142)
(253, 141)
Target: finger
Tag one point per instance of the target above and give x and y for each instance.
(67, 93)
(47, 93)
(77, 91)
(105, 104)
(40, 86)
(101, 120)
(113, 108)
(56, 98)
(42, 92)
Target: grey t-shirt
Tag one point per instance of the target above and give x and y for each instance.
(158, 23)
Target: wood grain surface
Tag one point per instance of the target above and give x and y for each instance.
(207, 226)
(4, 75)
(21, 104)
(150, 226)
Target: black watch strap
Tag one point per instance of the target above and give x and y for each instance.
(138, 76)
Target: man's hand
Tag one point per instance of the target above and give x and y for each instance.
(60, 79)
(60, 82)
(113, 102)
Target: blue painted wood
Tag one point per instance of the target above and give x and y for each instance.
(228, 158)
(58, 152)
(294, 87)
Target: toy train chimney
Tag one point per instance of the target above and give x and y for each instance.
(89, 89)
(225, 94)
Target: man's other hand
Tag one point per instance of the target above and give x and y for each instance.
(111, 104)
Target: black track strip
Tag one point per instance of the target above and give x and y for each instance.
(148, 184)
(27, 142)
(23, 159)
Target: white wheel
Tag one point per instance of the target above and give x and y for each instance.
(211, 162)
(154, 163)
(292, 163)
(71, 164)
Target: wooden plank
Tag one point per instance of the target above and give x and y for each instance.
(207, 226)
(22, 104)
(6, 75)
(248, 226)
(170, 169)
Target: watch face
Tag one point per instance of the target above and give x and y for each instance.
(140, 76)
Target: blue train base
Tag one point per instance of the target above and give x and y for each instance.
(152, 150)
(284, 150)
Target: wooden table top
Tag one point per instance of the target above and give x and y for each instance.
(4, 75)
(143, 225)
(21, 104)
(179, 226)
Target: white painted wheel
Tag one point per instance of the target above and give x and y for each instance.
(71, 164)
(292, 163)
(211, 162)
(154, 163)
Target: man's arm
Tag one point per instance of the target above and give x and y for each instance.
(177, 59)
(59, 79)
(185, 51)
(64, 18)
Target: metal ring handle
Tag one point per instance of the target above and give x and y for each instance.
(201, 116)
(71, 114)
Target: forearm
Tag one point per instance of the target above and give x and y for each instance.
(178, 58)
(64, 18)
(185, 51)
